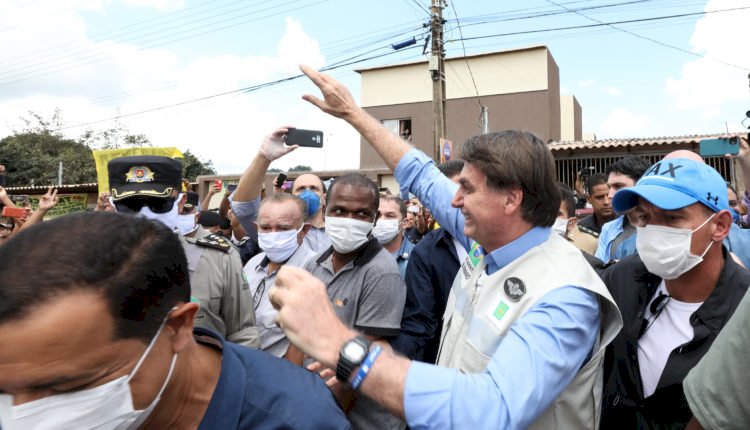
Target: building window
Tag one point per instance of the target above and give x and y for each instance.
(399, 127)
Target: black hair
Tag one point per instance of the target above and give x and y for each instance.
(569, 199)
(451, 168)
(633, 167)
(356, 180)
(139, 268)
(398, 200)
(594, 180)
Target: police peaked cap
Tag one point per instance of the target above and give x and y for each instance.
(145, 176)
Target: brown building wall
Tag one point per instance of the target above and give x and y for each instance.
(529, 111)
(553, 100)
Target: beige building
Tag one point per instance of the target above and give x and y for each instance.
(521, 89)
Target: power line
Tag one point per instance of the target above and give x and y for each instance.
(94, 58)
(666, 45)
(249, 89)
(608, 24)
(463, 45)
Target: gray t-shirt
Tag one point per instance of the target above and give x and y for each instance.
(718, 387)
(368, 295)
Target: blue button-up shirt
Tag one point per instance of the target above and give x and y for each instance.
(605, 250)
(539, 356)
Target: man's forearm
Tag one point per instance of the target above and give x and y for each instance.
(390, 147)
(251, 181)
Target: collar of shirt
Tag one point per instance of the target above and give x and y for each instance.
(500, 257)
(405, 249)
(226, 401)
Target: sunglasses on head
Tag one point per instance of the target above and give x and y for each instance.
(134, 204)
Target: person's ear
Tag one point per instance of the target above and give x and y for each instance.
(180, 323)
(723, 221)
(513, 200)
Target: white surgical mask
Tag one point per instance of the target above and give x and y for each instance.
(170, 219)
(560, 226)
(385, 230)
(186, 224)
(347, 234)
(106, 407)
(666, 250)
(280, 245)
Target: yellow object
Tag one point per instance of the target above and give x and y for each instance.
(102, 157)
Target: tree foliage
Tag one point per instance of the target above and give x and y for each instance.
(193, 166)
(32, 154)
(300, 168)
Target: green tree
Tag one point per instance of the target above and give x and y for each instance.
(300, 168)
(193, 166)
(274, 170)
(32, 155)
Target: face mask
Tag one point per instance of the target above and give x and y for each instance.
(280, 245)
(666, 250)
(560, 226)
(108, 406)
(385, 230)
(312, 200)
(347, 234)
(170, 219)
(186, 224)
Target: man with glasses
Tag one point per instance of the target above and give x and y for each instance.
(149, 186)
(281, 230)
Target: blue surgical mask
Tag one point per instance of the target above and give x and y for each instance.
(312, 200)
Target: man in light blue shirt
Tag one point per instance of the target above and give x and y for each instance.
(617, 238)
(543, 350)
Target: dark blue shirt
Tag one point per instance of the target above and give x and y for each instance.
(259, 391)
(433, 265)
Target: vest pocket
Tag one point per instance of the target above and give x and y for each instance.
(482, 341)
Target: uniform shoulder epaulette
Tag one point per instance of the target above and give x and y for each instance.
(588, 231)
(214, 241)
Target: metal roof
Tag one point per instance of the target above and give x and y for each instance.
(635, 142)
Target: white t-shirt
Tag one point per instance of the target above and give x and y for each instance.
(668, 330)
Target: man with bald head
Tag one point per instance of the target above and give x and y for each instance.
(308, 187)
(675, 294)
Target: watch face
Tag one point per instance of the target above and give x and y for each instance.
(354, 351)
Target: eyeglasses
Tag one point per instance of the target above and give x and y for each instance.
(134, 204)
(259, 294)
(656, 307)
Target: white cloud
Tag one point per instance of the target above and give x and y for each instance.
(127, 79)
(613, 91)
(157, 4)
(622, 123)
(707, 85)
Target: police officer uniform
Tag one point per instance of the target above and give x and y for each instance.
(216, 277)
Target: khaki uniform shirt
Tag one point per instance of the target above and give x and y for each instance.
(585, 240)
(219, 285)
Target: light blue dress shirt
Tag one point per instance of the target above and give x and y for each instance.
(610, 232)
(539, 356)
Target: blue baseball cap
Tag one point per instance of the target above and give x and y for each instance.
(675, 183)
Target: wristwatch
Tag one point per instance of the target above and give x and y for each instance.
(351, 355)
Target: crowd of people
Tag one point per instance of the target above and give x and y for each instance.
(472, 297)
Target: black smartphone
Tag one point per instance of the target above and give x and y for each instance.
(306, 138)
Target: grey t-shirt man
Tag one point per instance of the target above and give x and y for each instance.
(368, 295)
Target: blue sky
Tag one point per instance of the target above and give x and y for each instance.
(97, 59)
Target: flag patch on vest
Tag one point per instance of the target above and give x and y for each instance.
(514, 289)
(472, 260)
(500, 311)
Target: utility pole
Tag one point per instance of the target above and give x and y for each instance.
(437, 71)
(59, 174)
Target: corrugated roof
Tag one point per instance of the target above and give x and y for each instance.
(634, 142)
(41, 189)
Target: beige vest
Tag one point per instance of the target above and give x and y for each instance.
(482, 307)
